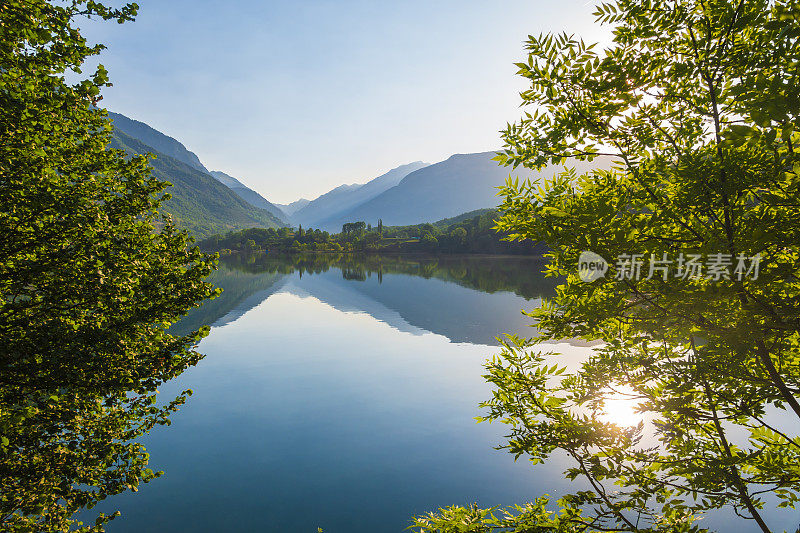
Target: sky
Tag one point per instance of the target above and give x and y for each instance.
(296, 97)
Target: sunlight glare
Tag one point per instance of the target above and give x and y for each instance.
(620, 407)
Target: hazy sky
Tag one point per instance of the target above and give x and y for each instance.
(296, 97)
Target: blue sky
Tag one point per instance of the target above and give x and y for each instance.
(297, 97)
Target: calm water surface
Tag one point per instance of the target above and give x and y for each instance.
(341, 393)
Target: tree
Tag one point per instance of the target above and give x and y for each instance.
(249, 246)
(88, 286)
(428, 241)
(371, 241)
(696, 102)
(356, 228)
(459, 234)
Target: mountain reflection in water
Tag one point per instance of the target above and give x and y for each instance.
(446, 295)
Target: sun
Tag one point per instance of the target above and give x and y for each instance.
(620, 407)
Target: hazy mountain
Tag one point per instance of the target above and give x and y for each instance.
(248, 194)
(198, 201)
(292, 208)
(226, 180)
(346, 197)
(156, 140)
(462, 183)
(323, 206)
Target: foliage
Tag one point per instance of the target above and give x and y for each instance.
(458, 235)
(533, 517)
(357, 228)
(697, 101)
(87, 286)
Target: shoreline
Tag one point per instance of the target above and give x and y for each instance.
(383, 253)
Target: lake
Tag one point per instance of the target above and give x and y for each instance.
(340, 392)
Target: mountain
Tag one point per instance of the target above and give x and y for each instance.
(324, 206)
(228, 181)
(173, 148)
(342, 199)
(198, 203)
(462, 183)
(248, 195)
(292, 208)
(156, 140)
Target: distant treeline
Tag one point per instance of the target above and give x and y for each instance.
(469, 233)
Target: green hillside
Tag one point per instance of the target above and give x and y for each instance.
(198, 202)
(446, 222)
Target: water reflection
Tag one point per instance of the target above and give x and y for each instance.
(406, 293)
(340, 392)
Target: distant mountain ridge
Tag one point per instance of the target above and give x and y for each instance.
(155, 139)
(338, 201)
(198, 202)
(460, 184)
(248, 194)
(292, 208)
(174, 149)
(323, 206)
(409, 194)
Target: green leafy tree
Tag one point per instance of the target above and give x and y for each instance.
(88, 286)
(459, 234)
(428, 240)
(354, 228)
(249, 246)
(696, 102)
